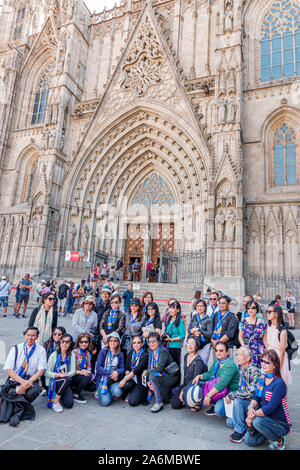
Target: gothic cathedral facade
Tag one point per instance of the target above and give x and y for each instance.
(171, 123)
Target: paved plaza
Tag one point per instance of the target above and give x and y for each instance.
(120, 427)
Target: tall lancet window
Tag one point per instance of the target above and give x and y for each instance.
(285, 164)
(19, 23)
(41, 97)
(280, 41)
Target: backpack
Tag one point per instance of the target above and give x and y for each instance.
(292, 346)
(62, 291)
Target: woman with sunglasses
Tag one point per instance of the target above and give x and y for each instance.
(44, 318)
(277, 340)
(146, 299)
(110, 370)
(85, 319)
(112, 320)
(253, 332)
(268, 418)
(83, 378)
(133, 324)
(53, 343)
(134, 391)
(166, 313)
(201, 326)
(152, 322)
(59, 373)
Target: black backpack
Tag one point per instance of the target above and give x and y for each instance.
(292, 346)
(62, 291)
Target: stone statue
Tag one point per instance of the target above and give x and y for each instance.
(231, 81)
(229, 18)
(221, 112)
(45, 138)
(85, 237)
(71, 235)
(231, 110)
(222, 83)
(219, 225)
(229, 226)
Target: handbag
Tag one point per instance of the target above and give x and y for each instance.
(172, 369)
(208, 386)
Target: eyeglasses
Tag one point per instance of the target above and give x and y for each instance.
(89, 303)
(114, 340)
(51, 298)
(65, 341)
(137, 342)
(152, 342)
(57, 334)
(83, 342)
(270, 311)
(266, 362)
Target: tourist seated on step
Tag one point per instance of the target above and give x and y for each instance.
(112, 320)
(201, 326)
(134, 390)
(224, 325)
(59, 373)
(240, 399)
(152, 322)
(161, 375)
(44, 317)
(221, 378)
(25, 364)
(268, 417)
(193, 366)
(83, 378)
(110, 370)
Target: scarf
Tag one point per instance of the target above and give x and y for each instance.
(55, 345)
(104, 381)
(243, 383)
(202, 338)
(149, 321)
(213, 310)
(216, 368)
(218, 329)
(112, 318)
(52, 383)
(84, 355)
(133, 320)
(43, 322)
(261, 383)
(135, 358)
(28, 355)
(153, 361)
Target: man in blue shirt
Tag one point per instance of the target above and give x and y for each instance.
(127, 297)
(24, 291)
(4, 293)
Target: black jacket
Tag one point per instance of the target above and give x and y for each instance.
(34, 314)
(229, 326)
(142, 365)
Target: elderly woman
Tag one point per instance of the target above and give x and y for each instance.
(152, 322)
(193, 366)
(268, 418)
(110, 370)
(59, 373)
(201, 326)
(112, 320)
(44, 318)
(132, 383)
(83, 377)
(160, 377)
(85, 319)
(134, 319)
(222, 377)
(253, 332)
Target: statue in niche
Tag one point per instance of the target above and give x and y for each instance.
(229, 226)
(231, 110)
(71, 235)
(55, 109)
(70, 10)
(85, 237)
(219, 225)
(231, 81)
(36, 231)
(52, 138)
(222, 83)
(222, 111)
(45, 138)
(32, 230)
(229, 18)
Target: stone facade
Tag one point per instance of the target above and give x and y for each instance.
(165, 92)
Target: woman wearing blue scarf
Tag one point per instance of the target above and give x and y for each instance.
(112, 320)
(83, 378)
(268, 416)
(59, 373)
(132, 384)
(201, 326)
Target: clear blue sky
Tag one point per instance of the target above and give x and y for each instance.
(99, 5)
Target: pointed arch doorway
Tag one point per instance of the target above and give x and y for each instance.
(150, 227)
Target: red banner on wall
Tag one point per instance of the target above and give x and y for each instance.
(77, 256)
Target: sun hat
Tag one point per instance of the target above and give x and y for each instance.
(106, 289)
(135, 301)
(114, 334)
(192, 395)
(90, 298)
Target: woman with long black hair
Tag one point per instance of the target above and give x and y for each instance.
(175, 332)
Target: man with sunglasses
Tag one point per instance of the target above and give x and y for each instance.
(25, 364)
(213, 306)
(224, 325)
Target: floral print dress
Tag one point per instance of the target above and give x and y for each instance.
(253, 336)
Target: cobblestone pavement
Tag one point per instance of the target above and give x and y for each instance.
(120, 427)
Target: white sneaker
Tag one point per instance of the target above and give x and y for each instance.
(57, 408)
(43, 392)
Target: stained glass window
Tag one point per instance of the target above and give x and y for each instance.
(154, 190)
(280, 41)
(41, 97)
(285, 165)
(19, 23)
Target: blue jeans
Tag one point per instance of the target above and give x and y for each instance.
(69, 305)
(267, 428)
(220, 411)
(113, 391)
(240, 411)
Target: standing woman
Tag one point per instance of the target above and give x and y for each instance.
(201, 326)
(175, 332)
(277, 340)
(133, 324)
(85, 319)
(166, 313)
(132, 383)
(146, 299)
(197, 297)
(82, 380)
(44, 318)
(152, 321)
(70, 299)
(59, 373)
(112, 320)
(253, 332)
(110, 370)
